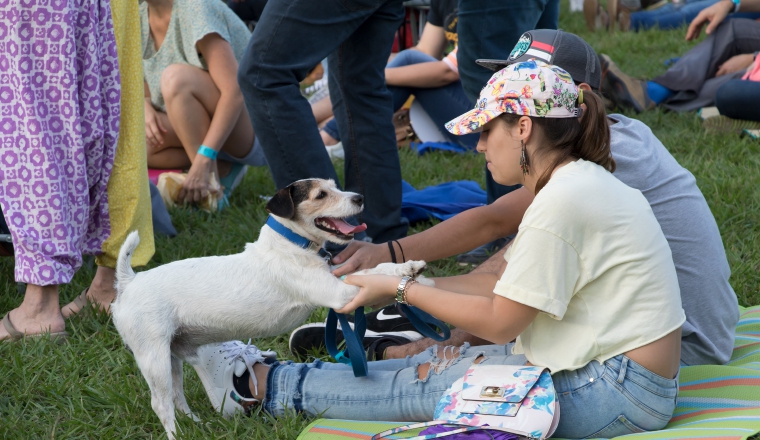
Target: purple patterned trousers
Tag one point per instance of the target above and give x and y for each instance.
(59, 123)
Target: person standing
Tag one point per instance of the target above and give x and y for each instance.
(356, 36)
(487, 30)
(129, 204)
(60, 105)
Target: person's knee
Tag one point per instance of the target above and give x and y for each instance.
(177, 79)
(445, 358)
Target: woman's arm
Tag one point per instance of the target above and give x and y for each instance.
(222, 66)
(458, 234)
(428, 75)
(153, 125)
(432, 41)
(493, 318)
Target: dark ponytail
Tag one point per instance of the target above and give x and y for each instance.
(587, 139)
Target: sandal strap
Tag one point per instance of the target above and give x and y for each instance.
(15, 334)
(81, 300)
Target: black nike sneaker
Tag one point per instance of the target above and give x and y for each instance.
(389, 321)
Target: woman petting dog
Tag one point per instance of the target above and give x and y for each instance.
(589, 292)
(194, 109)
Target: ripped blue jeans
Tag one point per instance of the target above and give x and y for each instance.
(605, 400)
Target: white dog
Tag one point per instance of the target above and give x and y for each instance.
(166, 313)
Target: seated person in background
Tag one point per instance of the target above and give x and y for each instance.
(421, 71)
(691, 83)
(193, 106)
(590, 290)
(737, 100)
(643, 163)
(675, 15)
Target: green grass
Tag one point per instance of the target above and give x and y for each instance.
(90, 388)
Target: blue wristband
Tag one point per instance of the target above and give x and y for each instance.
(208, 152)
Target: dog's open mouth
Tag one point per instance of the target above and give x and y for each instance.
(338, 227)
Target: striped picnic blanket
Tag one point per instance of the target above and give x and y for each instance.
(716, 402)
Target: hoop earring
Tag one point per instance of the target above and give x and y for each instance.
(524, 166)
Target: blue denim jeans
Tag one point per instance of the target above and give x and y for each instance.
(599, 400)
(490, 29)
(442, 104)
(672, 16)
(356, 36)
(738, 99)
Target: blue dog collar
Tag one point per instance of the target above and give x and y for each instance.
(294, 238)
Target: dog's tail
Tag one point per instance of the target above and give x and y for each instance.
(124, 272)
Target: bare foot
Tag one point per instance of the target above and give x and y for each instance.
(101, 292)
(38, 313)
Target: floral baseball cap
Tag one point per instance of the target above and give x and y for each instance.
(530, 88)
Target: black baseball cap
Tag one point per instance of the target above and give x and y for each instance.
(559, 48)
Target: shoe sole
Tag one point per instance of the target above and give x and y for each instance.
(617, 87)
(724, 124)
(210, 388)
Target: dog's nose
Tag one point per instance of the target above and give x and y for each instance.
(358, 199)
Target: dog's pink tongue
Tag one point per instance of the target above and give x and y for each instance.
(346, 228)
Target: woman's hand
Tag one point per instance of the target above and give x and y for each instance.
(715, 14)
(736, 63)
(197, 183)
(359, 255)
(153, 126)
(376, 291)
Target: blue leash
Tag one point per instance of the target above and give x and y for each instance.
(422, 321)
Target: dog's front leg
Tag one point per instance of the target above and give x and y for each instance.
(410, 268)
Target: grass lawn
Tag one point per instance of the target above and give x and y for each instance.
(91, 388)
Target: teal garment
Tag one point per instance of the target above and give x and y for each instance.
(191, 20)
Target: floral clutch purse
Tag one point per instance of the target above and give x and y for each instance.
(515, 399)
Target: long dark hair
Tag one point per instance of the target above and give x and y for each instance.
(587, 139)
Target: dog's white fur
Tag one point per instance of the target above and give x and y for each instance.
(166, 313)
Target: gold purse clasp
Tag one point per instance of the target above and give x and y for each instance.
(491, 391)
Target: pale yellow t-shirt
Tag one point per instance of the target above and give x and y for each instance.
(592, 258)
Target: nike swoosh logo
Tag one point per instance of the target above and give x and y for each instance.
(381, 316)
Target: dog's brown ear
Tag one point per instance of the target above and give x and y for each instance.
(281, 204)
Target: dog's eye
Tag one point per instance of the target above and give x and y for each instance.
(321, 195)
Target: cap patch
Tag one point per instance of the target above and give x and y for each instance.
(540, 50)
(522, 46)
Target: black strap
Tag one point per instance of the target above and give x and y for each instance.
(393, 252)
(402, 251)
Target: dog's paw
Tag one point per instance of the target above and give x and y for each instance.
(410, 269)
(413, 268)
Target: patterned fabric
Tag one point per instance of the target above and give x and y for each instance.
(530, 88)
(715, 402)
(191, 20)
(129, 202)
(527, 405)
(59, 123)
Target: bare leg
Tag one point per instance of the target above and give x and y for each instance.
(38, 313)
(495, 264)
(101, 292)
(191, 99)
(322, 110)
(327, 139)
